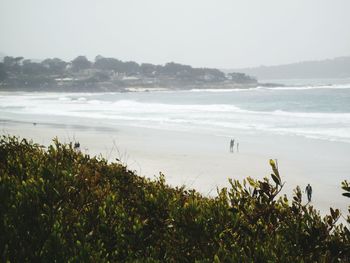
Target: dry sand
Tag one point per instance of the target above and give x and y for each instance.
(203, 161)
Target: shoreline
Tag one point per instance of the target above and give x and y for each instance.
(140, 88)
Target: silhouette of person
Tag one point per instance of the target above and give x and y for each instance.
(237, 146)
(232, 143)
(308, 191)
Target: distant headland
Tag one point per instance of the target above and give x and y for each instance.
(336, 68)
(111, 74)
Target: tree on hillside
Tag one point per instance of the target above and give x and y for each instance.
(55, 65)
(80, 63)
(173, 69)
(148, 69)
(214, 74)
(131, 67)
(18, 60)
(9, 62)
(241, 78)
(33, 68)
(12, 64)
(108, 64)
(3, 73)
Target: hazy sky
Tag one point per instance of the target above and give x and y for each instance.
(224, 34)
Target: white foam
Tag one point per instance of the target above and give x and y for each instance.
(64, 99)
(222, 90)
(315, 115)
(136, 106)
(343, 86)
(210, 117)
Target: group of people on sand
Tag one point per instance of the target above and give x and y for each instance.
(232, 146)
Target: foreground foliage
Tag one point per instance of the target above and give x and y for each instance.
(60, 205)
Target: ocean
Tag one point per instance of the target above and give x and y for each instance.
(319, 112)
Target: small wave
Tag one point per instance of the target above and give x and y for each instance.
(328, 134)
(222, 90)
(347, 86)
(64, 99)
(95, 102)
(315, 115)
(131, 105)
(81, 99)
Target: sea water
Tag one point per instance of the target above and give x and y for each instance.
(320, 112)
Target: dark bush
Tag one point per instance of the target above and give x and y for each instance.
(58, 205)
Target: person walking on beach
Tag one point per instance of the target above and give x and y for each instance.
(308, 191)
(232, 143)
(77, 147)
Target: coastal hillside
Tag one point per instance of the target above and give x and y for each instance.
(322, 69)
(110, 74)
(58, 204)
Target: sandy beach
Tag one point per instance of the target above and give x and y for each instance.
(203, 161)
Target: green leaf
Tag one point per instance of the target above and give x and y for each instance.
(332, 213)
(275, 170)
(251, 181)
(329, 220)
(346, 188)
(346, 194)
(276, 179)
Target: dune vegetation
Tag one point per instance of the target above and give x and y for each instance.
(59, 205)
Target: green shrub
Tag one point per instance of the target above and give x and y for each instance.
(60, 205)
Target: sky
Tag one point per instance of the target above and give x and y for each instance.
(201, 33)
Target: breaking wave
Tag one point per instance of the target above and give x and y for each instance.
(214, 118)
